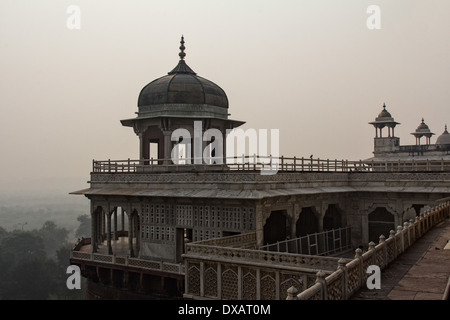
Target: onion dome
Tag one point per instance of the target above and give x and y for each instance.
(384, 119)
(444, 138)
(423, 127)
(182, 89)
(384, 113)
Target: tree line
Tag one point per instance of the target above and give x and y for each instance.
(33, 263)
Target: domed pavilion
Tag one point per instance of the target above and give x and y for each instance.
(176, 101)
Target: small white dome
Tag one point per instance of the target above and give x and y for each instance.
(444, 138)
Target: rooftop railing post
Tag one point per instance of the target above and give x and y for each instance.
(384, 246)
(412, 231)
(320, 278)
(406, 229)
(394, 250)
(358, 255)
(372, 252)
(342, 266)
(402, 241)
(292, 293)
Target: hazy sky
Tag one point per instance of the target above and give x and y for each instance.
(310, 68)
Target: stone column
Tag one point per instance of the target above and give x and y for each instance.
(115, 224)
(94, 232)
(321, 214)
(259, 217)
(123, 219)
(167, 146)
(103, 224)
(108, 230)
(224, 147)
(137, 233)
(291, 214)
(130, 232)
(141, 146)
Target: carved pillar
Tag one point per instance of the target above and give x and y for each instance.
(102, 225)
(98, 227)
(130, 232)
(144, 146)
(321, 214)
(292, 221)
(259, 217)
(167, 146)
(123, 219)
(108, 230)
(137, 233)
(94, 232)
(295, 216)
(115, 224)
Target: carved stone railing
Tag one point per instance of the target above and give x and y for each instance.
(258, 163)
(267, 258)
(221, 269)
(352, 276)
(176, 268)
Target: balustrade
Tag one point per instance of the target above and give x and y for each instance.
(286, 164)
(351, 276)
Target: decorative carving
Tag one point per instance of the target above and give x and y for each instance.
(210, 281)
(194, 278)
(287, 281)
(249, 284)
(229, 283)
(334, 289)
(268, 286)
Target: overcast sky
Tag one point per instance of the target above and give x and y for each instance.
(310, 68)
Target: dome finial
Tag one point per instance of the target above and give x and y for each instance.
(445, 127)
(384, 105)
(182, 47)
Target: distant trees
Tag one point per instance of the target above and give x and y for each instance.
(33, 263)
(26, 271)
(53, 237)
(84, 229)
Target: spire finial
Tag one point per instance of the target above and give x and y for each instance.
(384, 105)
(182, 47)
(445, 127)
